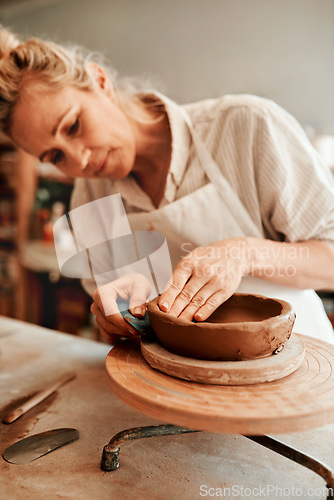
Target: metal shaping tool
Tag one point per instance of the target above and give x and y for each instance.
(38, 445)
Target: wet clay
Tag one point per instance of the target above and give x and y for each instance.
(241, 308)
(244, 327)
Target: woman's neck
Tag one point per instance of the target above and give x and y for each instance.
(153, 147)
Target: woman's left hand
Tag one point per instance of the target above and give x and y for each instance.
(204, 279)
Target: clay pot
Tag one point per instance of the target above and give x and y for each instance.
(244, 327)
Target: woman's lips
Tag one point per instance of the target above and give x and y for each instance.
(104, 164)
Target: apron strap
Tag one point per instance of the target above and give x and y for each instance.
(227, 193)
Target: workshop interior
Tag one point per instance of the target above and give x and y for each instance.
(213, 420)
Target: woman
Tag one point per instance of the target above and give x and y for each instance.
(232, 183)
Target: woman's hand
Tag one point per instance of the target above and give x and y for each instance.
(208, 276)
(204, 279)
(132, 287)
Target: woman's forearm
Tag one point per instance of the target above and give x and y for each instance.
(306, 264)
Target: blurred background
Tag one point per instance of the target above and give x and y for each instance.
(188, 49)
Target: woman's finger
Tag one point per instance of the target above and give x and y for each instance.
(140, 291)
(176, 284)
(188, 294)
(114, 324)
(212, 303)
(199, 300)
(106, 299)
(109, 337)
(221, 289)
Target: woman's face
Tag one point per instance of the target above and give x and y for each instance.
(83, 132)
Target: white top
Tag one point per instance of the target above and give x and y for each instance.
(241, 166)
(262, 152)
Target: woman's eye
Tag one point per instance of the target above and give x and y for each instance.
(73, 128)
(56, 158)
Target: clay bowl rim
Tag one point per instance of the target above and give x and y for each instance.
(287, 311)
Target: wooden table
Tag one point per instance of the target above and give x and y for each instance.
(157, 468)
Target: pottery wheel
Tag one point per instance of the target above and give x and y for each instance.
(250, 372)
(300, 401)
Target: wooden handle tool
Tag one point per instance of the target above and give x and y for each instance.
(36, 399)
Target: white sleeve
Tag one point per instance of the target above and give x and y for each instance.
(295, 188)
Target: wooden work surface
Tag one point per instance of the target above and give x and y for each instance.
(300, 401)
(170, 467)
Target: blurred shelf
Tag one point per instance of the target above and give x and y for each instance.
(8, 233)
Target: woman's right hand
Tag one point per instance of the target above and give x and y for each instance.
(132, 287)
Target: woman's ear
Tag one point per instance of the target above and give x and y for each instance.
(101, 78)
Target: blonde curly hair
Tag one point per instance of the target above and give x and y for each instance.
(53, 64)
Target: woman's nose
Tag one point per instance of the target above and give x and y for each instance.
(79, 155)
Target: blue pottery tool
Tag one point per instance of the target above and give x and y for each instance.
(141, 324)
